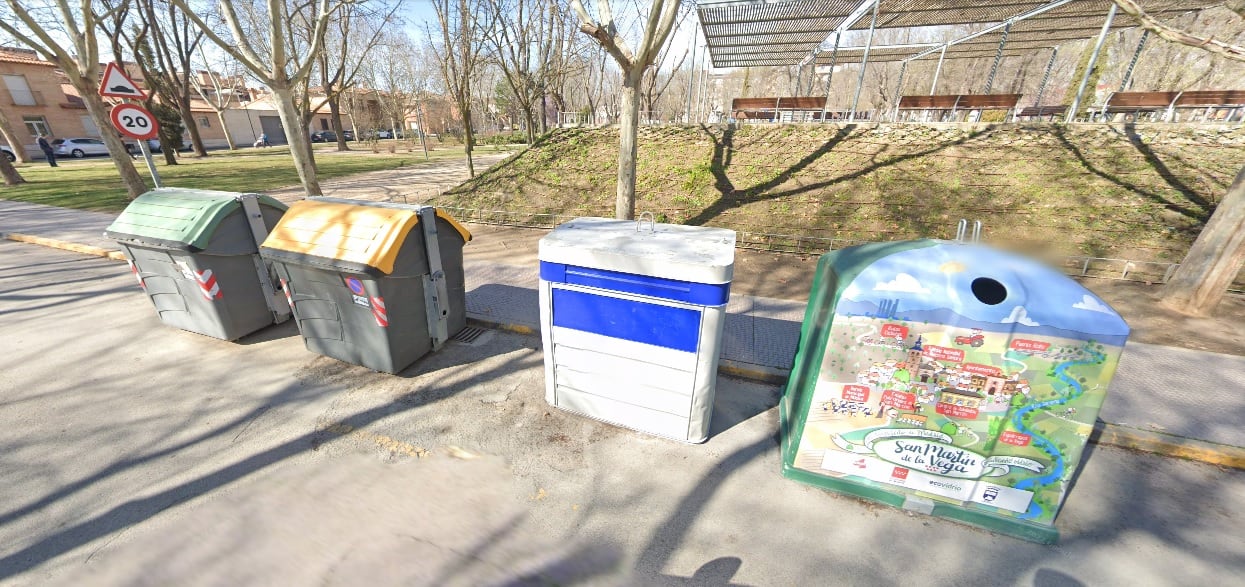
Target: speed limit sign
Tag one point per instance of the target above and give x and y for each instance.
(134, 121)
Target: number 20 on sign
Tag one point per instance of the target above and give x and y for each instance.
(134, 121)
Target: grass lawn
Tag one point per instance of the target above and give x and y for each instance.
(93, 184)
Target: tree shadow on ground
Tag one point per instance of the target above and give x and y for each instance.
(731, 197)
(139, 509)
(1199, 215)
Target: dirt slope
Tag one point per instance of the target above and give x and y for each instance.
(1134, 192)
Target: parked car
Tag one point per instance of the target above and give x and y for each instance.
(348, 135)
(79, 147)
(154, 145)
(324, 136)
(8, 153)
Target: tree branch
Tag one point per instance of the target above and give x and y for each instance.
(1175, 35)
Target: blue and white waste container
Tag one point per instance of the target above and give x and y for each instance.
(632, 315)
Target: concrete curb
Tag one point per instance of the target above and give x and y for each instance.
(1104, 433)
(1168, 445)
(64, 245)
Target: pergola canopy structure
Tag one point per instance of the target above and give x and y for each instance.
(779, 33)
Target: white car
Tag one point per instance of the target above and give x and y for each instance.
(8, 153)
(79, 147)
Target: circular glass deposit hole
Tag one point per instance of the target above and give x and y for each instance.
(989, 291)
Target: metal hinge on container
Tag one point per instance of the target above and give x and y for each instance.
(277, 304)
(436, 293)
(961, 231)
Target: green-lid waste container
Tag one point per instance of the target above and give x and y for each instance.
(195, 253)
(950, 379)
(373, 284)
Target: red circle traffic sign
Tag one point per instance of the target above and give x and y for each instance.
(134, 121)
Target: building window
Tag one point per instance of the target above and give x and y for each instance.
(19, 91)
(324, 124)
(203, 122)
(37, 125)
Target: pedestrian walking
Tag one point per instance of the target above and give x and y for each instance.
(262, 141)
(48, 151)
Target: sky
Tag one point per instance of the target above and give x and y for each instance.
(941, 276)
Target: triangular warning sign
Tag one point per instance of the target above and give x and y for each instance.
(115, 84)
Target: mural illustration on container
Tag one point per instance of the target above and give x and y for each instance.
(948, 378)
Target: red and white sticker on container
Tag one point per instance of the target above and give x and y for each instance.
(206, 280)
(134, 270)
(378, 312)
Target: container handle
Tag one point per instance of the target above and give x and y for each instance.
(652, 222)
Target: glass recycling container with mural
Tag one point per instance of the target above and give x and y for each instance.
(949, 379)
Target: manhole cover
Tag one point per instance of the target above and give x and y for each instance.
(470, 335)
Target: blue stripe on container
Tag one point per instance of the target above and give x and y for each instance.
(649, 323)
(702, 294)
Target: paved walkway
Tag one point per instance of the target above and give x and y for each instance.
(1173, 392)
(412, 184)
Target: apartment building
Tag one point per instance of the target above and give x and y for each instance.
(33, 99)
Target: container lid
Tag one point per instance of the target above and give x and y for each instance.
(687, 253)
(350, 235)
(183, 218)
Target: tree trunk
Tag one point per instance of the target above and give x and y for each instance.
(531, 127)
(296, 136)
(134, 184)
(10, 137)
(220, 115)
(1215, 259)
(196, 141)
(335, 116)
(469, 136)
(11, 176)
(167, 150)
(628, 126)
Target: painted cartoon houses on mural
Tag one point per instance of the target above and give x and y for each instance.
(962, 349)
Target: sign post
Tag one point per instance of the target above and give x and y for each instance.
(136, 122)
(131, 120)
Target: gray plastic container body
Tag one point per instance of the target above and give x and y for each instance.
(177, 280)
(336, 322)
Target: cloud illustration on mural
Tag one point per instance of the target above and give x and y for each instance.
(1093, 305)
(902, 283)
(1020, 315)
(852, 292)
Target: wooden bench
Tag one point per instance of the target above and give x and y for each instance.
(785, 109)
(1048, 113)
(1218, 105)
(952, 107)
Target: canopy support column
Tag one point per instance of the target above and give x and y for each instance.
(1093, 62)
(834, 57)
(864, 62)
(1050, 64)
(1128, 73)
(903, 68)
(938, 70)
(998, 58)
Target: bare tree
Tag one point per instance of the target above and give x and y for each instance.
(1216, 257)
(521, 39)
(604, 30)
(41, 27)
(174, 40)
(218, 85)
(349, 45)
(458, 53)
(272, 54)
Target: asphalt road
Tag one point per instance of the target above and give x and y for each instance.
(135, 454)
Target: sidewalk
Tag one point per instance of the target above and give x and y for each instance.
(1173, 401)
